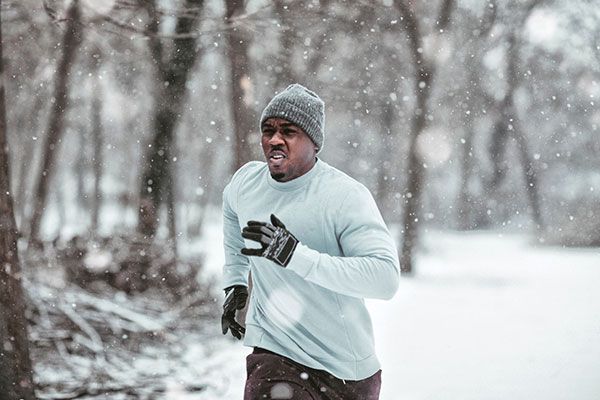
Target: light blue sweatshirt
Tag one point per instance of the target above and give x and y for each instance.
(313, 310)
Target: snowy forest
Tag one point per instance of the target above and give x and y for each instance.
(474, 124)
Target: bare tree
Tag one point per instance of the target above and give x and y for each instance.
(97, 137)
(297, 25)
(24, 179)
(320, 43)
(242, 110)
(424, 70)
(384, 182)
(171, 205)
(71, 39)
(30, 52)
(81, 165)
(468, 210)
(172, 78)
(508, 123)
(16, 377)
(284, 72)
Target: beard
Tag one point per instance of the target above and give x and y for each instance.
(278, 176)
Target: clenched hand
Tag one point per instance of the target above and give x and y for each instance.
(235, 299)
(277, 243)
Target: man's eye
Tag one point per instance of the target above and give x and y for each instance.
(289, 132)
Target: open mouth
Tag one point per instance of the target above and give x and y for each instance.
(277, 155)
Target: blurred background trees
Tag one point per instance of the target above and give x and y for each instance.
(456, 114)
(126, 118)
(16, 373)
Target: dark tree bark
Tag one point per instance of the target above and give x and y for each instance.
(16, 377)
(207, 158)
(319, 46)
(469, 213)
(244, 117)
(508, 126)
(173, 75)
(98, 143)
(81, 169)
(97, 135)
(284, 72)
(242, 111)
(25, 175)
(424, 73)
(171, 201)
(384, 182)
(510, 114)
(465, 201)
(70, 42)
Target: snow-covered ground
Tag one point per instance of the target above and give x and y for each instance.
(492, 317)
(486, 316)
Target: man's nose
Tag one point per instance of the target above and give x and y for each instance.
(277, 138)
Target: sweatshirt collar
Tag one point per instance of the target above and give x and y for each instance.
(294, 183)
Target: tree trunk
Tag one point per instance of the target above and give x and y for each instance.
(16, 377)
(97, 160)
(284, 72)
(21, 199)
(530, 178)
(465, 201)
(507, 126)
(318, 51)
(424, 72)
(81, 171)
(384, 181)
(156, 171)
(468, 211)
(415, 177)
(171, 209)
(70, 42)
(244, 118)
(529, 172)
(168, 108)
(206, 166)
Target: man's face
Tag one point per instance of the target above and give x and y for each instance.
(289, 151)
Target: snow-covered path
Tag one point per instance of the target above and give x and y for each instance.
(492, 317)
(485, 317)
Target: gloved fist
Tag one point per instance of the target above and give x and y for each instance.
(277, 243)
(235, 299)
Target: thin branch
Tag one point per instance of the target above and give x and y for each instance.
(145, 321)
(95, 341)
(250, 21)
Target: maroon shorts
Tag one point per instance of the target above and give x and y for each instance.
(271, 376)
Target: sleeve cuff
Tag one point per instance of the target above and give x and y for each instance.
(303, 260)
(235, 275)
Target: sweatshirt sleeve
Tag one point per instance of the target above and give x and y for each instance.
(369, 267)
(236, 268)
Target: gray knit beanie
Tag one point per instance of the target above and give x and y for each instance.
(300, 106)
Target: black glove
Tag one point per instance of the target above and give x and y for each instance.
(277, 243)
(235, 299)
